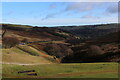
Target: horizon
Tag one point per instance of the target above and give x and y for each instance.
(58, 25)
(53, 14)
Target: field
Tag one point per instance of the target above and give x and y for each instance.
(73, 70)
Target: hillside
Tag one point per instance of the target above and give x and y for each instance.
(61, 32)
(100, 49)
(36, 38)
(25, 55)
(90, 31)
(34, 33)
(69, 43)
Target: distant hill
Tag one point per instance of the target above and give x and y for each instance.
(34, 33)
(90, 31)
(62, 32)
(16, 27)
(109, 38)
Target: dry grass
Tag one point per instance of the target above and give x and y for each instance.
(15, 55)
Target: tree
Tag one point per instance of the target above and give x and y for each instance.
(58, 50)
(3, 32)
(95, 50)
(8, 42)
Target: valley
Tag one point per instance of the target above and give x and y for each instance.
(61, 52)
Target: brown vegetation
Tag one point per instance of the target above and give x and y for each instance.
(24, 40)
(8, 42)
(93, 44)
(58, 50)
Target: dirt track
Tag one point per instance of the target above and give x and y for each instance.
(23, 64)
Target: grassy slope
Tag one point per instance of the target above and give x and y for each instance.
(28, 49)
(81, 70)
(15, 55)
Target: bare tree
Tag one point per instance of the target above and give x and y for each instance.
(3, 32)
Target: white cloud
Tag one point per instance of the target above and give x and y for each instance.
(79, 7)
(83, 6)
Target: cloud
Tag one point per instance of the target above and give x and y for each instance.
(90, 17)
(81, 6)
(49, 16)
(52, 6)
(74, 6)
(112, 9)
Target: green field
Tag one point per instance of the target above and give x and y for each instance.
(73, 70)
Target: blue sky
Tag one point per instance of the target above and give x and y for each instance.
(59, 13)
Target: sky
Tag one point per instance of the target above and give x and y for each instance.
(59, 13)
